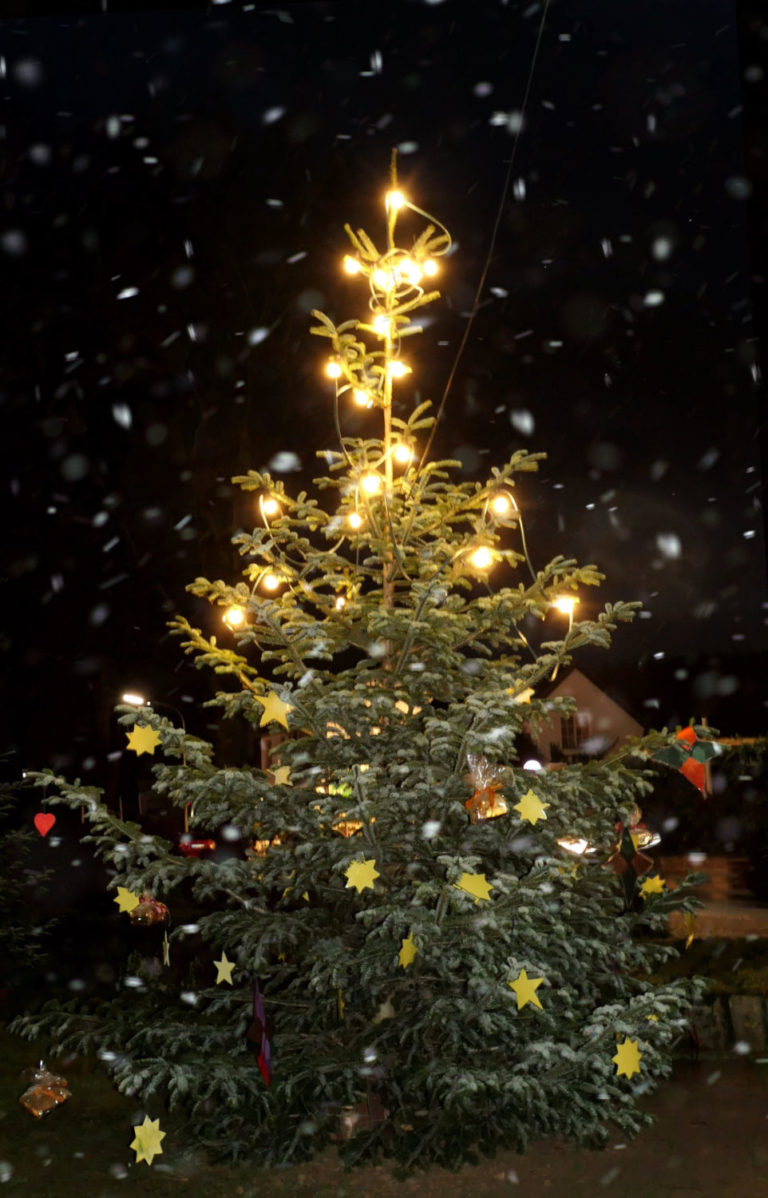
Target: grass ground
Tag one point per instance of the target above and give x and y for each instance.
(708, 1139)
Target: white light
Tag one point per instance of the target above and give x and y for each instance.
(430, 267)
(381, 325)
(354, 520)
(270, 506)
(397, 369)
(271, 582)
(565, 604)
(371, 484)
(395, 200)
(362, 398)
(351, 265)
(333, 370)
(234, 617)
(501, 503)
(136, 700)
(532, 764)
(403, 454)
(482, 558)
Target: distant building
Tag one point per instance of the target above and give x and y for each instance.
(597, 727)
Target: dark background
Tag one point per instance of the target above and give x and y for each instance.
(209, 158)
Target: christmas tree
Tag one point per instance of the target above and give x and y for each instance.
(425, 951)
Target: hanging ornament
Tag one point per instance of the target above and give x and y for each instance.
(47, 1090)
(191, 846)
(525, 988)
(148, 911)
(274, 710)
(487, 802)
(126, 899)
(628, 1058)
(476, 885)
(146, 1140)
(690, 756)
(531, 807)
(361, 875)
(224, 969)
(654, 885)
(143, 739)
(259, 1035)
(44, 821)
(408, 951)
(628, 862)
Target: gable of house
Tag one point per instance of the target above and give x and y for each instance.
(598, 725)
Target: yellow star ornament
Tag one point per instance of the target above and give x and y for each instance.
(408, 951)
(143, 739)
(525, 988)
(653, 885)
(146, 1142)
(476, 885)
(628, 1058)
(126, 899)
(282, 775)
(361, 875)
(531, 807)
(224, 969)
(274, 710)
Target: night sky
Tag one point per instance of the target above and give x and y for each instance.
(175, 186)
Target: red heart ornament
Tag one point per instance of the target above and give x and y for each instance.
(44, 821)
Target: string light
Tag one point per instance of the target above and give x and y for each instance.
(411, 271)
(383, 279)
(565, 604)
(482, 558)
(270, 582)
(430, 267)
(362, 398)
(354, 520)
(270, 506)
(381, 325)
(397, 369)
(333, 370)
(340, 602)
(234, 617)
(501, 503)
(403, 454)
(134, 699)
(371, 483)
(395, 200)
(351, 265)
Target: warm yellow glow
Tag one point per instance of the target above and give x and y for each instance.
(565, 604)
(371, 483)
(333, 370)
(383, 279)
(362, 398)
(501, 503)
(403, 454)
(270, 506)
(411, 271)
(354, 520)
(430, 267)
(340, 602)
(397, 369)
(351, 265)
(234, 617)
(136, 700)
(576, 845)
(381, 325)
(270, 582)
(482, 558)
(395, 200)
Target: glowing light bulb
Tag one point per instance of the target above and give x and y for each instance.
(395, 200)
(411, 271)
(403, 454)
(381, 325)
(270, 506)
(351, 265)
(371, 483)
(482, 558)
(430, 267)
(397, 369)
(234, 617)
(340, 602)
(333, 370)
(383, 279)
(565, 604)
(501, 503)
(270, 582)
(135, 700)
(362, 398)
(354, 520)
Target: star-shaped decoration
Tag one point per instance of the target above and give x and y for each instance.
(146, 1143)
(275, 710)
(523, 696)
(224, 969)
(525, 988)
(166, 950)
(408, 951)
(361, 874)
(126, 899)
(654, 885)
(281, 776)
(476, 885)
(143, 739)
(654, 1018)
(628, 1058)
(531, 807)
